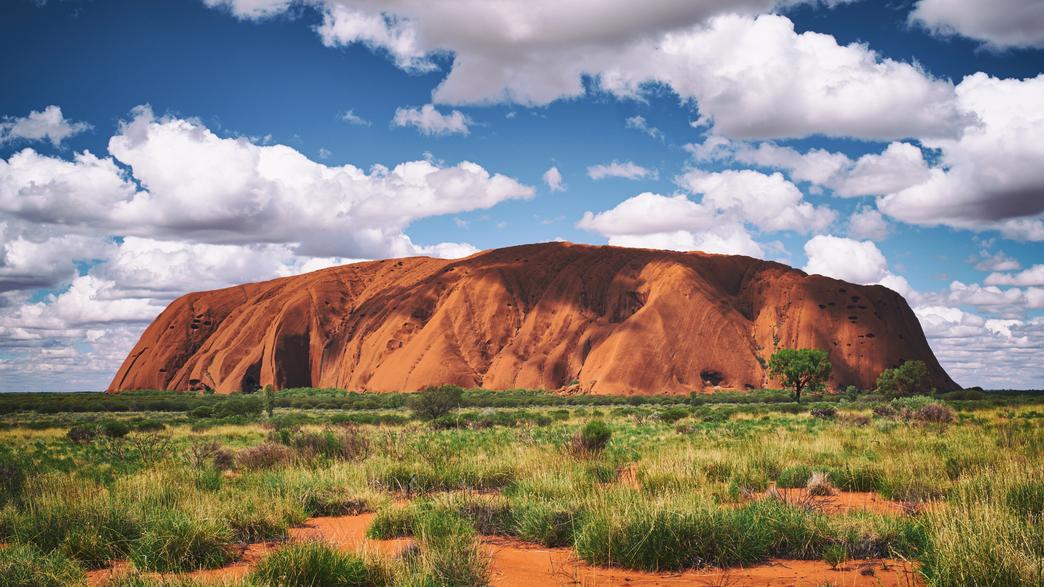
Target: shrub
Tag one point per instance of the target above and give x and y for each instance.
(935, 414)
(435, 402)
(82, 433)
(591, 439)
(115, 429)
(673, 414)
(825, 413)
(885, 411)
(201, 412)
(310, 564)
(343, 443)
(264, 456)
(23, 565)
(907, 379)
(174, 541)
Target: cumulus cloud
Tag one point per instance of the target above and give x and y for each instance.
(205, 188)
(992, 353)
(769, 202)
(47, 124)
(867, 223)
(553, 178)
(625, 170)
(1034, 276)
(999, 261)
(999, 24)
(753, 76)
(251, 9)
(899, 166)
(430, 121)
(990, 176)
(852, 260)
(730, 202)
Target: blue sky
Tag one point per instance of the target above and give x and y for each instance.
(842, 137)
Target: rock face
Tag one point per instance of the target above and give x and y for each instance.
(612, 320)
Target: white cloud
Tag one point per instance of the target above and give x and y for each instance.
(640, 124)
(352, 118)
(998, 23)
(854, 261)
(251, 9)
(204, 188)
(989, 177)
(899, 166)
(626, 170)
(731, 200)
(867, 223)
(1032, 276)
(430, 121)
(553, 178)
(47, 124)
(769, 202)
(752, 77)
(992, 353)
(999, 261)
(1012, 302)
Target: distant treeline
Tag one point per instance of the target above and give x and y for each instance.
(213, 405)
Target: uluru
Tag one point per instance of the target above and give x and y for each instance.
(591, 319)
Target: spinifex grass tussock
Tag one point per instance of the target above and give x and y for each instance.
(23, 565)
(314, 564)
(174, 541)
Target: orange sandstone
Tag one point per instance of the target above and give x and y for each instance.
(615, 320)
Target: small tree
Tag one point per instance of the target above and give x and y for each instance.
(800, 369)
(434, 402)
(269, 399)
(907, 379)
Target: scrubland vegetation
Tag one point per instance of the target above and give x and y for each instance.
(171, 483)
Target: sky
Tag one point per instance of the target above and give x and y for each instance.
(149, 149)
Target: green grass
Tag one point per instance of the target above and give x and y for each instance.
(26, 566)
(677, 484)
(315, 564)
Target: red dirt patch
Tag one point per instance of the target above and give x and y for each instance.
(520, 564)
(348, 533)
(841, 502)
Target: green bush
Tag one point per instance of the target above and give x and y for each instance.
(314, 564)
(82, 433)
(794, 476)
(907, 379)
(592, 438)
(435, 402)
(115, 429)
(23, 565)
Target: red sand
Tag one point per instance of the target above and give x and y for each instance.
(843, 501)
(618, 320)
(520, 564)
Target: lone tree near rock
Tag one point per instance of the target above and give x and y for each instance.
(800, 369)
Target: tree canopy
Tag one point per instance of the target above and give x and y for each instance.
(800, 369)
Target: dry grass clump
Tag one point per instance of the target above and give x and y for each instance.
(264, 456)
(819, 485)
